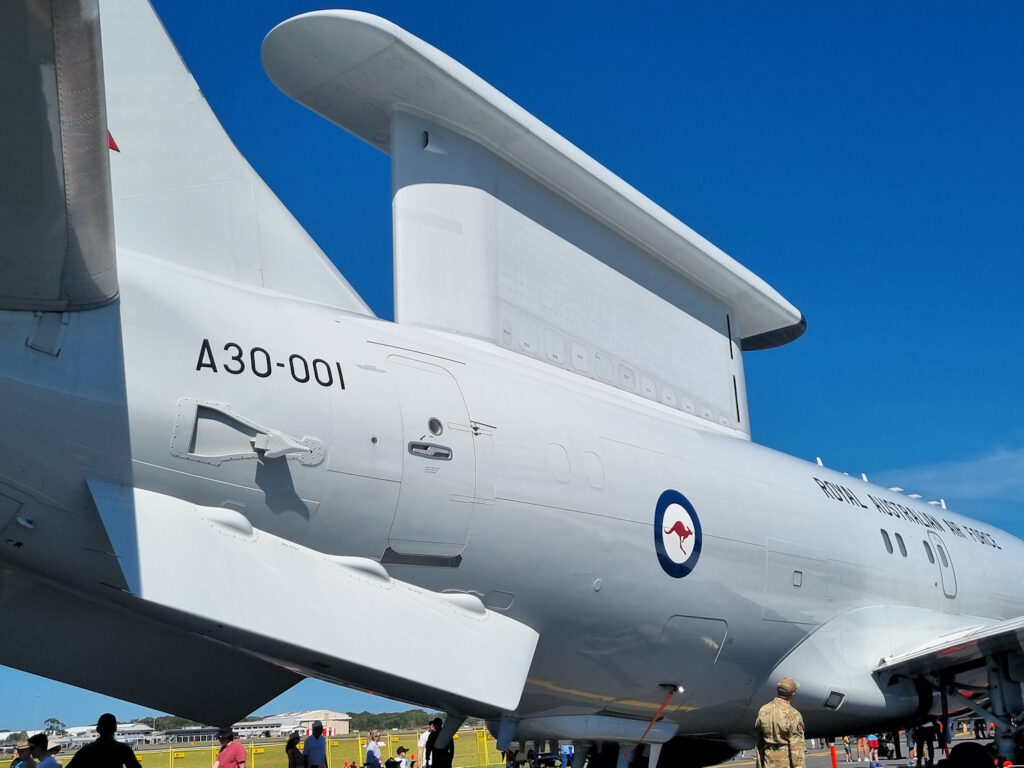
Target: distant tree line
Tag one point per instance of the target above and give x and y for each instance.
(411, 719)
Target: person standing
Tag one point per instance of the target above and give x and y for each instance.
(846, 748)
(315, 748)
(403, 757)
(439, 757)
(232, 754)
(39, 749)
(22, 756)
(421, 745)
(105, 751)
(373, 750)
(780, 730)
(291, 749)
(862, 748)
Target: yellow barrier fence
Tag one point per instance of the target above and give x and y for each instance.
(472, 748)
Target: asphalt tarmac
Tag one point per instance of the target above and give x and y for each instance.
(821, 758)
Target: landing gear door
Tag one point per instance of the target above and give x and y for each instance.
(435, 504)
(945, 565)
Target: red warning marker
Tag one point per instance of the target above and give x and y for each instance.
(111, 143)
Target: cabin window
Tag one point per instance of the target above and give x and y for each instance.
(942, 556)
(928, 551)
(901, 545)
(887, 541)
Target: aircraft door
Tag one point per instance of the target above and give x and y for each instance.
(436, 501)
(945, 565)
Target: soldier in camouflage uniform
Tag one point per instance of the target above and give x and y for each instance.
(780, 730)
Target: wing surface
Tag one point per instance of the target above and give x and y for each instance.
(958, 651)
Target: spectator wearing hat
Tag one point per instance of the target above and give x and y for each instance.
(780, 730)
(232, 754)
(22, 758)
(39, 748)
(400, 760)
(315, 748)
(105, 751)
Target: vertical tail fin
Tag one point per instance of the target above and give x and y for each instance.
(182, 190)
(56, 224)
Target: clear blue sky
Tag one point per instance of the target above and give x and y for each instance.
(865, 158)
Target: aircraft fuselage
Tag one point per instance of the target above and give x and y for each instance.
(645, 546)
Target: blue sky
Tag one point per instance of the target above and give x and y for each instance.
(865, 158)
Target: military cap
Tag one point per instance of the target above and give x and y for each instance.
(786, 687)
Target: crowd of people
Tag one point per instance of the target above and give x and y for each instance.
(779, 726)
(107, 752)
(313, 753)
(780, 740)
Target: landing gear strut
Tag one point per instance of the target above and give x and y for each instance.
(1005, 706)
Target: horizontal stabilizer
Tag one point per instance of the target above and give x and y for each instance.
(504, 231)
(212, 566)
(56, 219)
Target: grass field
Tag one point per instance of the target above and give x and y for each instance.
(472, 748)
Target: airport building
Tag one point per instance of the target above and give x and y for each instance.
(335, 724)
(273, 726)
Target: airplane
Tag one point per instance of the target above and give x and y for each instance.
(201, 417)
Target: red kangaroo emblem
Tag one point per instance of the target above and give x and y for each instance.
(681, 531)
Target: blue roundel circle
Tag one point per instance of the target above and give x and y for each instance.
(677, 534)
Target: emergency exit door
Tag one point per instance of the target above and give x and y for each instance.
(945, 565)
(436, 500)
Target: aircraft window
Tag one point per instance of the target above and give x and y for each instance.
(901, 545)
(887, 540)
(928, 551)
(942, 556)
(434, 425)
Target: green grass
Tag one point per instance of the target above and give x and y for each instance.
(472, 749)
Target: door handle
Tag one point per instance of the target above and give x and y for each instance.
(431, 451)
(274, 444)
